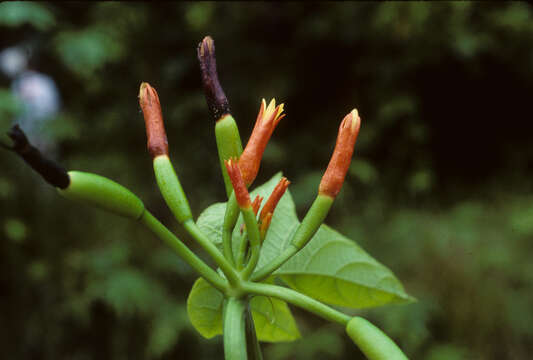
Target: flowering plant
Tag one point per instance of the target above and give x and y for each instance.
(256, 246)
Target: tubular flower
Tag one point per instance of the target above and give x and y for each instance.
(153, 119)
(241, 192)
(267, 119)
(342, 155)
(268, 210)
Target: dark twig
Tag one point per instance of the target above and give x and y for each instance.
(52, 172)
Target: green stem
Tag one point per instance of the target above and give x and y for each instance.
(255, 241)
(203, 240)
(243, 250)
(234, 329)
(254, 349)
(307, 229)
(298, 299)
(183, 251)
(230, 218)
(172, 192)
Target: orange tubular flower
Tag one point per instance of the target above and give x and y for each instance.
(268, 210)
(241, 192)
(267, 119)
(342, 156)
(153, 119)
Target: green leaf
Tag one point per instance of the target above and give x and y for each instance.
(211, 220)
(204, 307)
(273, 319)
(333, 269)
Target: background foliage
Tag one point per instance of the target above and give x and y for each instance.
(439, 191)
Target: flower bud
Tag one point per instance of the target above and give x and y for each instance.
(239, 188)
(267, 119)
(342, 155)
(153, 119)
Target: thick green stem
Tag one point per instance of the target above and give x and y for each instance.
(174, 196)
(234, 329)
(307, 229)
(254, 349)
(212, 250)
(230, 218)
(243, 250)
(298, 299)
(255, 241)
(183, 251)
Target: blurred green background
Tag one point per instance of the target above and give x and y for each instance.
(439, 190)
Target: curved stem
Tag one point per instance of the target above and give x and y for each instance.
(307, 229)
(234, 330)
(183, 251)
(221, 261)
(255, 241)
(243, 250)
(298, 299)
(230, 218)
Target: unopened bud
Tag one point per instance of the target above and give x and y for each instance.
(342, 156)
(153, 118)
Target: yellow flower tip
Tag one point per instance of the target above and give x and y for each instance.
(356, 120)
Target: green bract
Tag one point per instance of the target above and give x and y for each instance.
(372, 341)
(101, 192)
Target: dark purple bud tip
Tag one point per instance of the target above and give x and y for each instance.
(52, 173)
(216, 99)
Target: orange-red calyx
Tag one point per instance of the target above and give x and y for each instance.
(256, 204)
(239, 187)
(274, 198)
(267, 119)
(153, 118)
(268, 210)
(342, 155)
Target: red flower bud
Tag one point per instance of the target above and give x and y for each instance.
(153, 119)
(241, 192)
(267, 119)
(342, 155)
